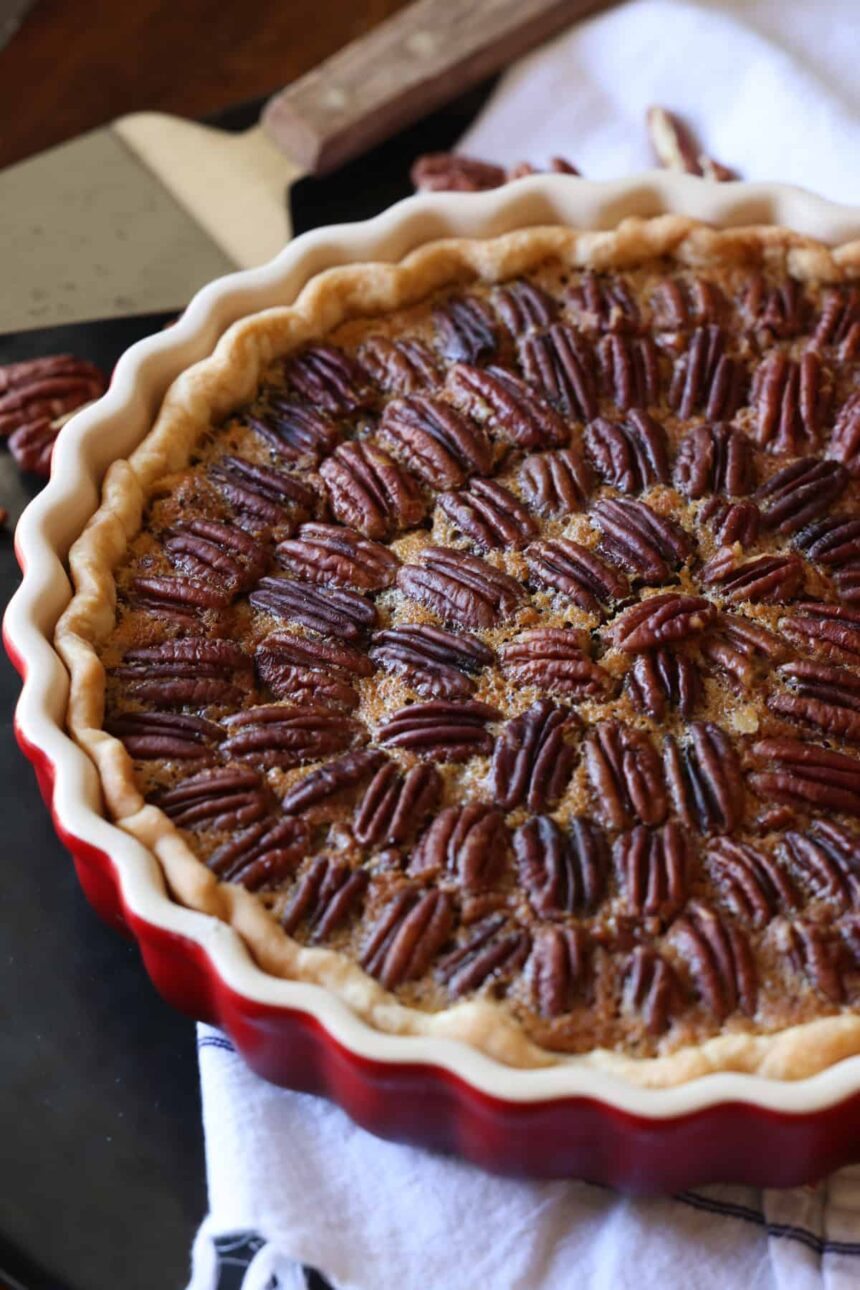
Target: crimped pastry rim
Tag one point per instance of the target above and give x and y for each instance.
(75, 794)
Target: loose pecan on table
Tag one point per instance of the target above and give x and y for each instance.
(186, 673)
(490, 515)
(450, 172)
(638, 540)
(338, 776)
(431, 661)
(284, 735)
(626, 778)
(46, 389)
(791, 403)
(370, 492)
(163, 736)
(225, 799)
(652, 989)
(704, 779)
(329, 379)
(508, 407)
(267, 495)
(660, 680)
(534, 757)
(806, 775)
(404, 366)
(760, 579)
(715, 458)
(563, 872)
(461, 589)
(629, 368)
(558, 969)
(465, 329)
(333, 555)
(493, 948)
(826, 860)
(653, 867)
(707, 379)
(754, 887)
(659, 620)
(553, 659)
(263, 855)
(720, 960)
(560, 363)
(443, 730)
(600, 302)
(470, 843)
(407, 936)
(845, 440)
(630, 456)
(556, 484)
(32, 445)
(523, 306)
(828, 631)
(222, 554)
(820, 695)
(440, 445)
(565, 566)
(329, 611)
(839, 322)
(307, 670)
(324, 898)
(301, 435)
(799, 493)
(677, 149)
(741, 648)
(395, 806)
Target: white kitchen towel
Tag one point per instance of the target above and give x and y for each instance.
(771, 89)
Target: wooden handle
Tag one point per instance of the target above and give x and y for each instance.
(414, 62)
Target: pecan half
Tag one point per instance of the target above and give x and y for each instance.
(220, 553)
(32, 445)
(465, 329)
(845, 440)
(800, 493)
(407, 936)
(307, 670)
(300, 434)
(659, 620)
(370, 492)
(602, 302)
(440, 445)
(333, 555)
(329, 379)
(565, 566)
(324, 898)
(338, 776)
(186, 673)
(636, 538)
(774, 312)
(460, 588)
(267, 495)
(553, 659)
(839, 322)
(661, 680)
(263, 855)
(506, 405)
(556, 484)
(682, 304)
(732, 522)
(829, 631)
(820, 695)
(704, 779)
(816, 953)
(431, 661)
(761, 579)
(806, 775)
(445, 731)
(394, 806)
(631, 455)
(563, 873)
(558, 969)
(833, 542)
(826, 859)
(523, 307)
(534, 757)
(163, 736)
(707, 379)
(494, 948)
(404, 366)
(629, 371)
(46, 389)
(753, 886)
(652, 989)
(715, 458)
(226, 799)
(653, 867)
(330, 611)
(470, 843)
(182, 595)
(560, 363)
(450, 172)
(282, 735)
(790, 401)
(623, 767)
(720, 960)
(677, 149)
(490, 515)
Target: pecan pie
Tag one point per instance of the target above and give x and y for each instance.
(481, 639)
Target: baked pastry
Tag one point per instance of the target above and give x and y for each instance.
(480, 637)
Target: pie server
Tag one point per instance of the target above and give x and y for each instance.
(139, 214)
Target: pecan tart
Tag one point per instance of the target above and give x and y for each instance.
(480, 637)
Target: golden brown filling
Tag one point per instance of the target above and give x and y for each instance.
(509, 644)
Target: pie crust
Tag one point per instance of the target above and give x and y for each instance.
(208, 393)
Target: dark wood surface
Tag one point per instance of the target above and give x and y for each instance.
(74, 66)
